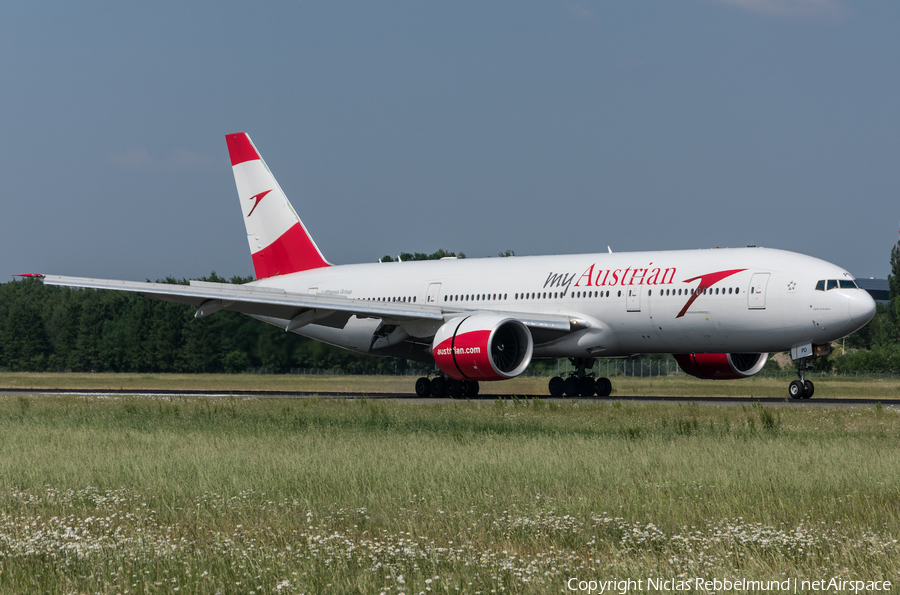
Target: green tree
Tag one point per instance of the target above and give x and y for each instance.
(62, 309)
(894, 286)
(236, 361)
(26, 345)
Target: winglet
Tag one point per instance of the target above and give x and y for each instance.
(279, 242)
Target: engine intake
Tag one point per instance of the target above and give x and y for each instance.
(721, 366)
(483, 347)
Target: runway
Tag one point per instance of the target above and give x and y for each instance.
(410, 397)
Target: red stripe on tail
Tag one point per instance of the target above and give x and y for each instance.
(290, 253)
(240, 148)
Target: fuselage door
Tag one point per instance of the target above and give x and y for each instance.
(633, 296)
(313, 291)
(756, 296)
(431, 296)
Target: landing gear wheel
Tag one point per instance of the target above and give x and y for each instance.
(470, 388)
(423, 387)
(454, 389)
(810, 389)
(604, 387)
(571, 386)
(587, 386)
(802, 388)
(557, 386)
(438, 387)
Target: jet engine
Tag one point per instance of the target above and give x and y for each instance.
(483, 347)
(721, 366)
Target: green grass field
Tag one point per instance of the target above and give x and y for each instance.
(203, 495)
(827, 387)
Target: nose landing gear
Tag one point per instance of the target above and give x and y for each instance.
(581, 382)
(802, 388)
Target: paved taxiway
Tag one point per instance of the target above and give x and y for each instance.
(411, 398)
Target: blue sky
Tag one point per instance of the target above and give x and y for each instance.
(545, 128)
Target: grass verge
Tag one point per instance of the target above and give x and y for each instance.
(245, 495)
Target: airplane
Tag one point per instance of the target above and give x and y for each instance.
(720, 312)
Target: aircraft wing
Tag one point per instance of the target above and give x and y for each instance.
(299, 308)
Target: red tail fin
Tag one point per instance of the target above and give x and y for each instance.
(279, 242)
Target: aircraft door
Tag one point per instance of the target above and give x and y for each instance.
(431, 296)
(313, 291)
(633, 303)
(756, 296)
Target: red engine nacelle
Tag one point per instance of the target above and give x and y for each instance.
(483, 347)
(721, 366)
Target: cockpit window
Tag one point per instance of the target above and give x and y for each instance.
(835, 283)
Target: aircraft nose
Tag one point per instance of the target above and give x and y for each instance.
(862, 307)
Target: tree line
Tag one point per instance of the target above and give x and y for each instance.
(876, 346)
(47, 328)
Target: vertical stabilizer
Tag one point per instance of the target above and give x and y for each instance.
(279, 242)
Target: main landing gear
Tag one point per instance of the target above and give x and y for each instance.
(581, 382)
(802, 388)
(443, 386)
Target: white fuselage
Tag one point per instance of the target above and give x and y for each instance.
(755, 299)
